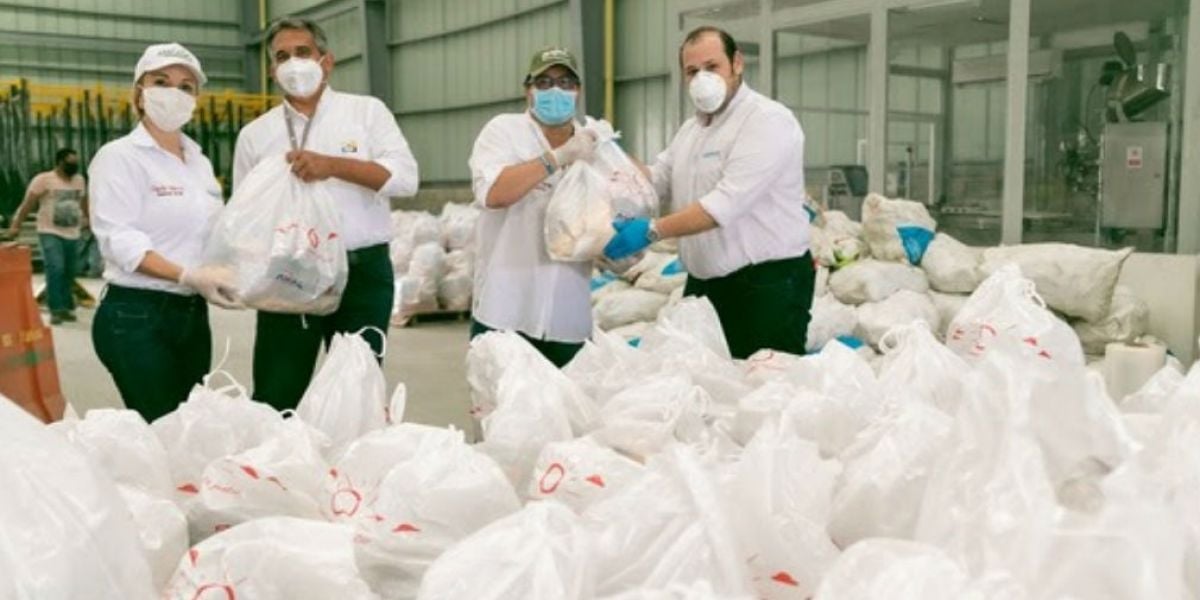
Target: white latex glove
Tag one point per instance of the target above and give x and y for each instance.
(213, 285)
(581, 146)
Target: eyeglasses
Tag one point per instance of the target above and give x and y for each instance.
(565, 82)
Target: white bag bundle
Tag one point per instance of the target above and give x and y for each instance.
(631, 193)
(668, 527)
(896, 570)
(947, 306)
(456, 286)
(423, 490)
(348, 396)
(696, 590)
(873, 281)
(664, 274)
(1128, 319)
(411, 229)
(124, 446)
(539, 553)
(953, 267)
(458, 225)
(606, 365)
(830, 319)
(875, 319)
(628, 306)
(162, 529)
(688, 339)
(579, 472)
(886, 470)
(424, 274)
(1155, 395)
(646, 417)
(779, 494)
(280, 241)
(579, 216)
(1006, 305)
(276, 557)
(915, 363)
(528, 415)
(882, 220)
(67, 531)
(1073, 280)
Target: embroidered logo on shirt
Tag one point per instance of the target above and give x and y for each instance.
(166, 190)
(349, 147)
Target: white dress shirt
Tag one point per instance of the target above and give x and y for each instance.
(517, 286)
(144, 198)
(746, 169)
(345, 126)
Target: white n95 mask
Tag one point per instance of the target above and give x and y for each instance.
(169, 108)
(299, 77)
(707, 91)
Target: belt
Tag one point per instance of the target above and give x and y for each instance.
(362, 255)
(117, 293)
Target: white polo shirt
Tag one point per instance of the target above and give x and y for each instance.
(346, 126)
(746, 169)
(517, 286)
(144, 198)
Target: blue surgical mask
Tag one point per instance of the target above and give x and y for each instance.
(554, 106)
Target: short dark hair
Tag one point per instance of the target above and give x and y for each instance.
(302, 24)
(63, 153)
(727, 41)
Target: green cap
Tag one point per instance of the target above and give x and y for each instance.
(548, 57)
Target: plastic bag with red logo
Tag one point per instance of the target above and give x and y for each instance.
(348, 396)
(579, 472)
(279, 242)
(1006, 304)
(277, 557)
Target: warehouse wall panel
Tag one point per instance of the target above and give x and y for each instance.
(643, 56)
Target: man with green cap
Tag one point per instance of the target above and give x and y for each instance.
(517, 161)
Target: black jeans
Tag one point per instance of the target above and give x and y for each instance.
(286, 345)
(156, 345)
(559, 353)
(762, 306)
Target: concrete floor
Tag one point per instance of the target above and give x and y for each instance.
(428, 358)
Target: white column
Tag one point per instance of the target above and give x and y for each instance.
(766, 49)
(877, 96)
(1189, 180)
(1013, 205)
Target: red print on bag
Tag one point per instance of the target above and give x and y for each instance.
(551, 478)
(785, 578)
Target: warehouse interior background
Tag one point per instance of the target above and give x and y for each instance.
(993, 112)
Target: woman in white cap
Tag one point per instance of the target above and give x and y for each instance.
(154, 197)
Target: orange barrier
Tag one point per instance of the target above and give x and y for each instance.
(28, 372)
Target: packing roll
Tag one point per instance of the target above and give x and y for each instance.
(1127, 367)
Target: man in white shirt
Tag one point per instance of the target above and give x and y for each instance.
(734, 175)
(351, 144)
(516, 163)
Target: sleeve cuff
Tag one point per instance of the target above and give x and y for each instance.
(397, 185)
(129, 249)
(484, 182)
(719, 206)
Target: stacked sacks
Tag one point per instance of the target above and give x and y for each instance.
(434, 259)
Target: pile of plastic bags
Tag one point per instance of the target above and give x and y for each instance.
(992, 466)
(434, 259)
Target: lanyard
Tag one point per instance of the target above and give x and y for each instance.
(287, 118)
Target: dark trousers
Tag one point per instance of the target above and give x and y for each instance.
(286, 345)
(58, 261)
(559, 353)
(156, 345)
(762, 306)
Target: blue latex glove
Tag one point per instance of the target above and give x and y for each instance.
(633, 235)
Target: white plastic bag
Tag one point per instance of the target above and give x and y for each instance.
(579, 472)
(1073, 280)
(664, 276)
(538, 553)
(1005, 305)
(412, 492)
(1155, 394)
(279, 239)
(124, 446)
(953, 267)
(1128, 319)
(458, 225)
(162, 529)
(629, 306)
(947, 306)
(779, 494)
(276, 557)
(425, 274)
(348, 395)
(579, 216)
(528, 415)
(875, 281)
(905, 306)
(644, 418)
(667, 528)
(917, 365)
(886, 470)
(895, 570)
(67, 531)
(606, 365)
(882, 220)
(456, 286)
(830, 319)
(631, 193)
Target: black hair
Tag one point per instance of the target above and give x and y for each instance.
(727, 41)
(63, 153)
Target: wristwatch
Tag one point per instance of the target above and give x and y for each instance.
(652, 233)
(547, 163)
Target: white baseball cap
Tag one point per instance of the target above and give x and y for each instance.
(164, 55)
